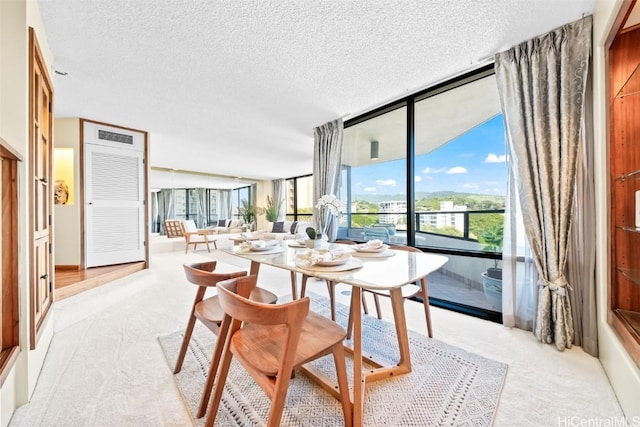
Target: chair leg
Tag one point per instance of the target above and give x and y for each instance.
(215, 244)
(187, 333)
(213, 369)
(303, 285)
(365, 308)
(331, 288)
(350, 322)
(206, 242)
(343, 383)
(217, 391)
(376, 300)
(425, 304)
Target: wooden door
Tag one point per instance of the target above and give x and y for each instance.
(41, 194)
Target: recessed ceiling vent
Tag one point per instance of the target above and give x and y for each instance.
(106, 135)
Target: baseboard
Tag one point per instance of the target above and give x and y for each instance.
(68, 267)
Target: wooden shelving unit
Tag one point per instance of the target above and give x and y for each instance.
(624, 160)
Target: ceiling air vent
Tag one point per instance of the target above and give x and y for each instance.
(105, 135)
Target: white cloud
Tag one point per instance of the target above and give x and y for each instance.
(370, 189)
(471, 186)
(491, 183)
(386, 182)
(417, 178)
(457, 170)
(431, 170)
(495, 158)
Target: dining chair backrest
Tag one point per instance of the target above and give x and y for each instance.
(231, 295)
(269, 352)
(380, 233)
(202, 274)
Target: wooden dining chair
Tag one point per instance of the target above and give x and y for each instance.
(331, 288)
(270, 341)
(408, 291)
(208, 311)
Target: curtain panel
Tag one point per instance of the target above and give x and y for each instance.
(327, 160)
(225, 204)
(166, 207)
(279, 196)
(542, 86)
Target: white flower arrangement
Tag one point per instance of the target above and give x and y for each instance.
(331, 202)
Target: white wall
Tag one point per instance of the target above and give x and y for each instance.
(623, 373)
(15, 18)
(66, 219)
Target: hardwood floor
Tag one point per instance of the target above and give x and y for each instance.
(71, 282)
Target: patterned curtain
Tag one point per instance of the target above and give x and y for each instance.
(542, 86)
(327, 158)
(278, 195)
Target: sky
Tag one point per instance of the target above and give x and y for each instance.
(472, 163)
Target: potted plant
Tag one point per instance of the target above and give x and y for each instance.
(492, 278)
(248, 213)
(272, 209)
(315, 238)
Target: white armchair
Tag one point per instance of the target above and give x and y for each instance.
(194, 236)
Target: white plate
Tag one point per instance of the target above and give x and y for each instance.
(266, 248)
(336, 261)
(365, 248)
(297, 245)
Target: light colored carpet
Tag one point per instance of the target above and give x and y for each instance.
(447, 386)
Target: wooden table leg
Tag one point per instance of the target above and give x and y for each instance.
(358, 377)
(294, 286)
(400, 321)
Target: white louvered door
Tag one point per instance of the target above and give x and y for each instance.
(114, 205)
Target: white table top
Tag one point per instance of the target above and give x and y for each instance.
(376, 273)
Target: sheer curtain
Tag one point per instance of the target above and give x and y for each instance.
(166, 207)
(327, 158)
(519, 275)
(278, 196)
(225, 204)
(542, 85)
(581, 257)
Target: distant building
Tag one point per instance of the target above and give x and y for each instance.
(438, 220)
(392, 211)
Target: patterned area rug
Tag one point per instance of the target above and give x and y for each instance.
(448, 386)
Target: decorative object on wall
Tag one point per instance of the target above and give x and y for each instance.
(61, 193)
(63, 166)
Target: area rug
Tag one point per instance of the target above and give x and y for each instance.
(448, 386)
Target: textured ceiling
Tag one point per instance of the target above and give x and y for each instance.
(235, 88)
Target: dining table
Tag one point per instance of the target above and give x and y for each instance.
(390, 271)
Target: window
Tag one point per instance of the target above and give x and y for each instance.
(429, 171)
(238, 195)
(299, 191)
(375, 155)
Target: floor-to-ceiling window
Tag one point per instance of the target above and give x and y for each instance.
(299, 201)
(240, 197)
(374, 188)
(429, 171)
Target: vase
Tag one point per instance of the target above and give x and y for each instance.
(314, 243)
